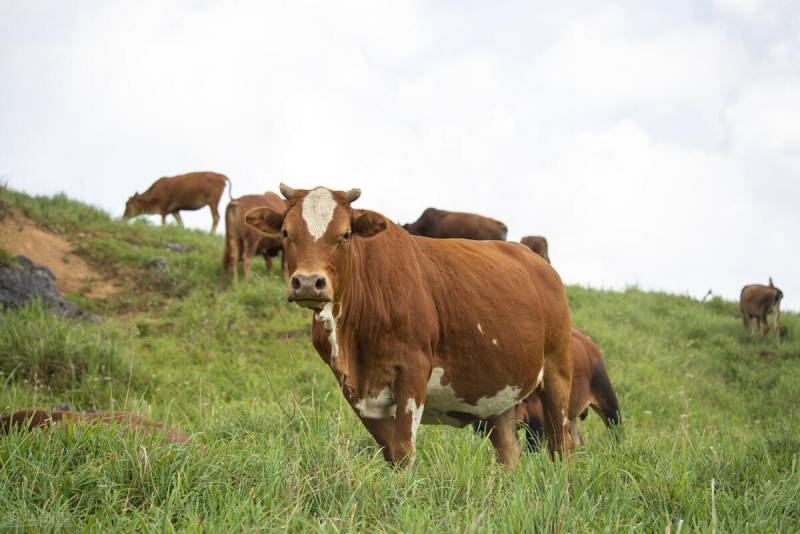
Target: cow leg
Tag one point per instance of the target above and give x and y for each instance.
(163, 219)
(763, 325)
(410, 392)
(555, 401)
(503, 435)
(215, 217)
(574, 434)
(778, 321)
(268, 263)
(381, 430)
(232, 258)
(249, 252)
(177, 216)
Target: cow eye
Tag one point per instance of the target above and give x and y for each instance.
(345, 236)
(284, 233)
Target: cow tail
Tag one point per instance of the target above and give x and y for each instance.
(778, 299)
(230, 188)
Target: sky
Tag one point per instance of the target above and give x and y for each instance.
(655, 144)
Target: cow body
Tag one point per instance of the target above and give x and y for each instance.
(591, 388)
(242, 241)
(538, 244)
(452, 224)
(420, 330)
(30, 419)
(169, 196)
(757, 302)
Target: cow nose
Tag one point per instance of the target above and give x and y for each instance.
(308, 287)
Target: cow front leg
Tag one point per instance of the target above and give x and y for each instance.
(177, 216)
(410, 398)
(503, 435)
(381, 430)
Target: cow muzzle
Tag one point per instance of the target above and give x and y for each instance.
(309, 290)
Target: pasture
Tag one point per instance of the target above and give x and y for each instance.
(710, 412)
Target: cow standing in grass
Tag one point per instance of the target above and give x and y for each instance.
(444, 224)
(538, 244)
(418, 330)
(757, 302)
(242, 241)
(169, 196)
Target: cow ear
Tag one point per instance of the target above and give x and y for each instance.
(265, 220)
(368, 223)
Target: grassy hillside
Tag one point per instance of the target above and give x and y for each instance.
(711, 413)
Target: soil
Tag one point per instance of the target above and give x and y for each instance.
(20, 236)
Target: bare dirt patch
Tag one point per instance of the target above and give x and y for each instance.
(20, 236)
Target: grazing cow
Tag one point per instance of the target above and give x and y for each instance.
(185, 192)
(418, 330)
(453, 224)
(242, 241)
(538, 244)
(757, 302)
(30, 419)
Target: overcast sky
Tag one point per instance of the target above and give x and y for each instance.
(652, 143)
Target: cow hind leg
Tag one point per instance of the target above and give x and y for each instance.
(177, 216)
(503, 435)
(214, 217)
(555, 401)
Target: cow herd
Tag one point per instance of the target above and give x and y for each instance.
(440, 321)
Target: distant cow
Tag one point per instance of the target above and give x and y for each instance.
(242, 241)
(757, 302)
(538, 244)
(185, 192)
(30, 419)
(591, 387)
(432, 331)
(450, 224)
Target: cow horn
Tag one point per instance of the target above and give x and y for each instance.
(353, 194)
(287, 191)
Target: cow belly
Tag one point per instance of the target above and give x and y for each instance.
(443, 404)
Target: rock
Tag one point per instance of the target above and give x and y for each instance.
(158, 262)
(176, 247)
(26, 281)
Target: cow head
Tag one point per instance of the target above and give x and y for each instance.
(317, 230)
(132, 207)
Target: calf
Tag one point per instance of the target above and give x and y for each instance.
(242, 241)
(538, 244)
(30, 419)
(757, 302)
(431, 331)
(184, 192)
(453, 224)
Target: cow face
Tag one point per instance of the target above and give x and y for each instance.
(132, 207)
(317, 230)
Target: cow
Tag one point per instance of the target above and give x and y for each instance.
(419, 330)
(452, 224)
(30, 419)
(242, 241)
(170, 195)
(756, 302)
(538, 244)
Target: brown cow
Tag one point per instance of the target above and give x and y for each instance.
(418, 330)
(757, 302)
(242, 241)
(536, 243)
(452, 224)
(30, 419)
(184, 192)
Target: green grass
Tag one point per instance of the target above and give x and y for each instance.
(277, 448)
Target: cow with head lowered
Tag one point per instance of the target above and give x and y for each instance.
(444, 224)
(420, 330)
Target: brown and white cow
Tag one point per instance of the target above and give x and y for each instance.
(420, 330)
(444, 224)
(536, 243)
(184, 192)
(242, 241)
(756, 302)
(591, 388)
(30, 419)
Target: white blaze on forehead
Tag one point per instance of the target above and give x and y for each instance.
(416, 418)
(329, 323)
(442, 399)
(318, 207)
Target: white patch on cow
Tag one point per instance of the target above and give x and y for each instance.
(540, 377)
(381, 406)
(416, 417)
(318, 207)
(442, 399)
(480, 328)
(494, 341)
(328, 321)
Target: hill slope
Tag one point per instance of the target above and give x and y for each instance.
(710, 411)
